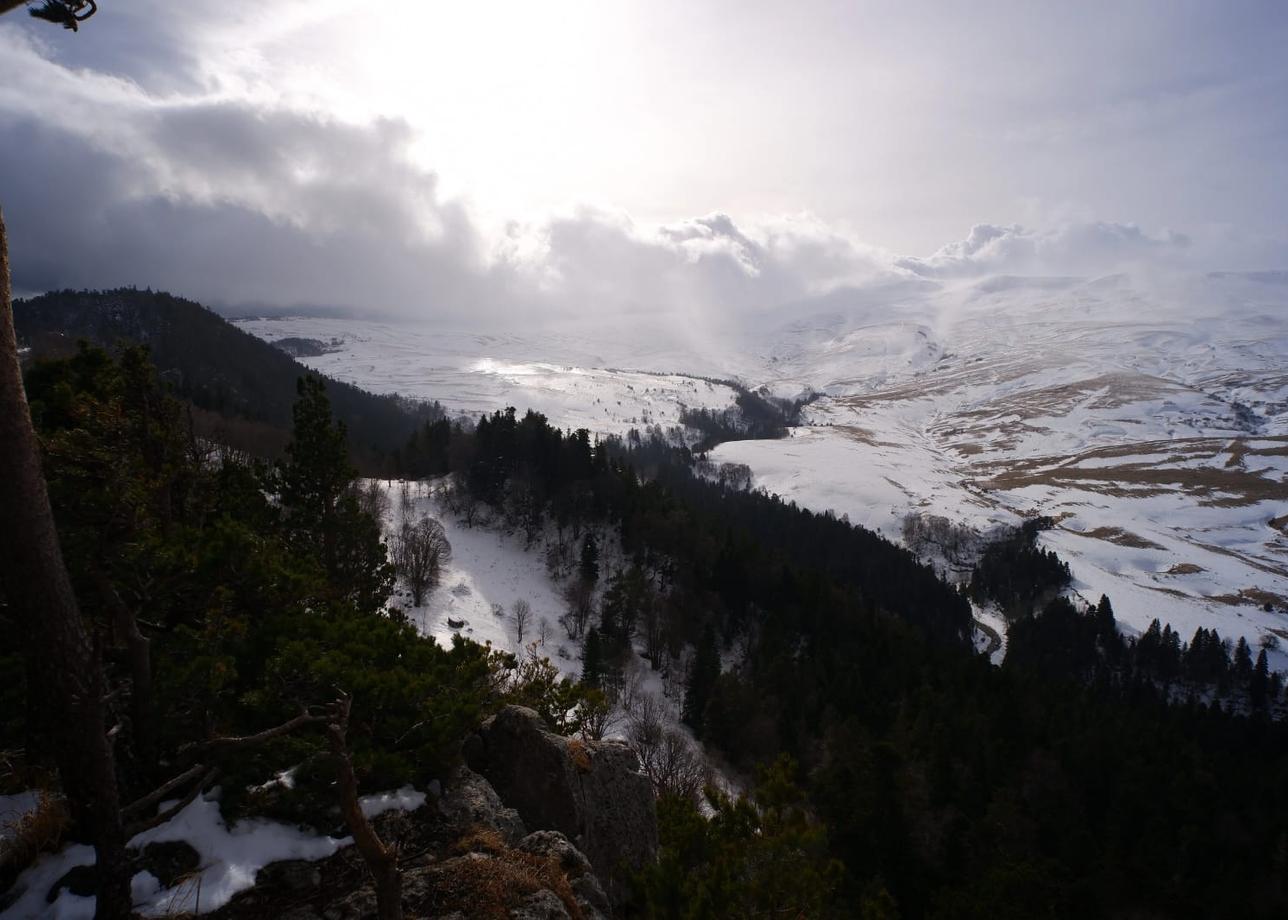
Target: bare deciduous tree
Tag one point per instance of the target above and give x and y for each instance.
(522, 617)
(580, 595)
(419, 551)
(372, 498)
(667, 757)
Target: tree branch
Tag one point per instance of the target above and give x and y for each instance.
(218, 746)
(141, 826)
(158, 795)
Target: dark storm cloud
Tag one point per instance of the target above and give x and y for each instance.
(136, 166)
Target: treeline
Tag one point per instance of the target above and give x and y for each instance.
(943, 786)
(244, 381)
(238, 610)
(755, 415)
(1017, 574)
(1088, 648)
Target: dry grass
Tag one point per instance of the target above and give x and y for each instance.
(1246, 560)
(490, 878)
(580, 755)
(863, 436)
(1118, 537)
(1219, 488)
(35, 832)
(1251, 596)
(1185, 568)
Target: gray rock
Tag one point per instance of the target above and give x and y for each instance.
(540, 905)
(300, 913)
(575, 865)
(470, 800)
(590, 791)
(169, 861)
(296, 875)
(357, 905)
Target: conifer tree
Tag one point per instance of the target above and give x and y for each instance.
(702, 681)
(592, 660)
(1242, 660)
(590, 559)
(1259, 686)
(323, 510)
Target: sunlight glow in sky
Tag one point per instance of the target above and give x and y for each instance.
(548, 139)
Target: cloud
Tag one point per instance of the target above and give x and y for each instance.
(242, 199)
(1091, 248)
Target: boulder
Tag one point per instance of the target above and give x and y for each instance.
(469, 800)
(590, 791)
(540, 905)
(294, 875)
(170, 861)
(555, 846)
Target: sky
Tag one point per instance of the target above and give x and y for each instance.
(474, 161)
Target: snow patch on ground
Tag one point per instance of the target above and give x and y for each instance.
(230, 859)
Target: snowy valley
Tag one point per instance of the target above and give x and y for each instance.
(1148, 418)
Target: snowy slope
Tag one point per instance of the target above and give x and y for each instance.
(1153, 424)
(1150, 416)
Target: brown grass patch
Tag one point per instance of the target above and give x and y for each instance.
(1185, 568)
(1259, 566)
(1118, 537)
(1213, 487)
(1170, 592)
(863, 436)
(35, 832)
(487, 882)
(580, 755)
(1255, 596)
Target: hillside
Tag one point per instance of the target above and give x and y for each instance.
(209, 361)
(1149, 419)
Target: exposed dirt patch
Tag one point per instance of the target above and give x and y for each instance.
(1117, 536)
(1222, 488)
(1171, 592)
(1185, 568)
(1254, 563)
(863, 436)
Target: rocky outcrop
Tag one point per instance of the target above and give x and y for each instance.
(576, 867)
(469, 801)
(590, 791)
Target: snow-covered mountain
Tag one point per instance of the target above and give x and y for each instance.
(1148, 416)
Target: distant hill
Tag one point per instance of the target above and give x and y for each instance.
(211, 362)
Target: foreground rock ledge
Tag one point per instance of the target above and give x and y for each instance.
(590, 791)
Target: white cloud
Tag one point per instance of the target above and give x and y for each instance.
(1081, 248)
(110, 175)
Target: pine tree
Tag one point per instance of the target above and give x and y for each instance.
(1106, 626)
(590, 559)
(702, 681)
(323, 512)
(1259, 686)
(592, 660)
(1242, 660)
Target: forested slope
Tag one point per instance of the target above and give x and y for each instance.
(208, 360)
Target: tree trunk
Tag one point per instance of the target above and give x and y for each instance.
(66, 665)
(138, 650)
(382, 860)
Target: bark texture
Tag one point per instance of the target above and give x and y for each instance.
(381, 859)
(65, 666)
